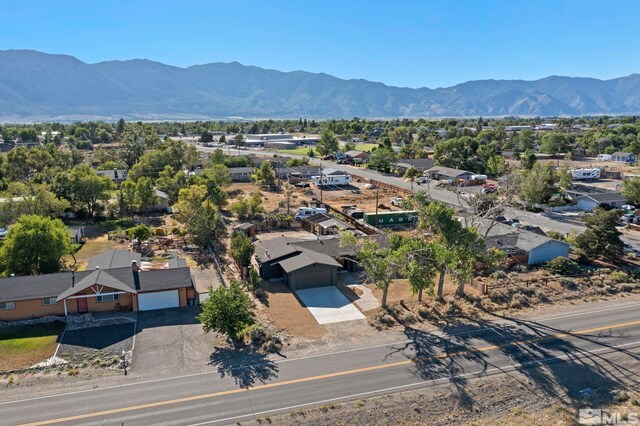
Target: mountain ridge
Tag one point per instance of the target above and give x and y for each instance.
(41, 86)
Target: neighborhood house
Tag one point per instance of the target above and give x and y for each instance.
(117, 281)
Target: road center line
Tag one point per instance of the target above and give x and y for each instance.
(324, 376)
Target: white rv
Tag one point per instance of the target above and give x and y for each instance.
(604, 157)
(305, 212)
(585, 174)
(331, 180)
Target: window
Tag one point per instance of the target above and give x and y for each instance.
(7, 305)
(108, 298)
(49, 301)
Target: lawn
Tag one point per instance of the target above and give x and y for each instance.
(93, 247)
(303, 150)
(25, 346)
(366, 147)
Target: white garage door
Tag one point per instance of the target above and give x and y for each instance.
(158, 300)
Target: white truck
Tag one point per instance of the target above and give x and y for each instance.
(331, 180)
(585, 174)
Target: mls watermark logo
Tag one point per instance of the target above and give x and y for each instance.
(596, 416)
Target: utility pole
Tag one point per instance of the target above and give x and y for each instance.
(377, 197)
(320, 182)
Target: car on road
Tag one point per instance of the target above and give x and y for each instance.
(346, 161)
(421, 179)
(328, 157)
(397, 201)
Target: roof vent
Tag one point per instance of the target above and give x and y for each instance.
(97, 267)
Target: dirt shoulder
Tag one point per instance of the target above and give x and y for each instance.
(506, 399)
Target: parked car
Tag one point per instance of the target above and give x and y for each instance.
(627, 217)
(489, 190)
(397, 201)
(346, 161)
(421, 179)
(628, 207)
(636, 220)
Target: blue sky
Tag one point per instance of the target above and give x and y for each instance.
(404, 43)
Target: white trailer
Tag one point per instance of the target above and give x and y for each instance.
(331, 180)
(585, 174)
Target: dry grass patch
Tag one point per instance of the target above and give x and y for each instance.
(24, 346)
(93, 247)
(288, 314)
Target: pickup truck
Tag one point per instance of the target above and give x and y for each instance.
(397, 201)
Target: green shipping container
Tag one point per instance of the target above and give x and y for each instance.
(407, 217)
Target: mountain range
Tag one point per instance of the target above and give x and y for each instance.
(36, 86)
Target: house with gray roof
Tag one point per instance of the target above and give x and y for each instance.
(591, 202)
(529, 248)
(124, 284)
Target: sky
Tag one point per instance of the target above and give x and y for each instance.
(428, 43)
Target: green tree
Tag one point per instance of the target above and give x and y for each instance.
(242, 249)
(554, 142)
(631, 190)
(419, 265)
(497, 166)
(139, 234)
(205, 224)
(171, 182)
(528, 159)
(206, 137)
(328, 143)
(128, 196)
(146, 193)
(412, 173)
(537, 185)
(264, 176)
(382, 159)
(89, 191)
(34, 245)
(227, 311)
(189, 201)
(601, 239)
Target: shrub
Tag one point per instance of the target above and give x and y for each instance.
(568, 284)
(159, 232)
(519, 301)
(499, 275)
(621, 396)
(619, 276)
(542, 296)
(555, 235)
(408, 317)
(562, 266)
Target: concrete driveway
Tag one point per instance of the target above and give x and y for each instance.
(171, 341)
(328, 305)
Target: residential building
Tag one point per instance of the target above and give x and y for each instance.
(116, 175)
(323, 224)
(591, 202)
(525, 247)
(353, 154)
(421, 164)
(448, 173)
(241, 174)
(138, 286)
(76, 233)
(623, 157)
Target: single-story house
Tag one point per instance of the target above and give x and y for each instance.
(353, 154)
(421, 164)
(440, 172)
(323, 224)
(591, 202)
(303, 263)
(76, 233)
(162, 200)
(241, 174)
(116, 175)
(65, 293)
(526, 247)
(623, 157)
(309, 269)
(117, 258)
(298, 173)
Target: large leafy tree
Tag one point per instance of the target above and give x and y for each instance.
(227, 311)
(242, 249)
(631, 190)
(205, 224)
(34, 245)
(29, 198)
(264, 176)
(189, 201)
(328, 143)
(418, 262)
(537, 185)
(601, 239)
(86, 190)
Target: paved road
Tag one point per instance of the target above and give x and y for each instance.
(562, 222)
(254, 386)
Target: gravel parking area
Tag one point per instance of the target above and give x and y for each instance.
(101, 346)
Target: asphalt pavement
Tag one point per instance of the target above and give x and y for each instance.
(243, 385)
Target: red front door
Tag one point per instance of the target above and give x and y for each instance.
(82, 305)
